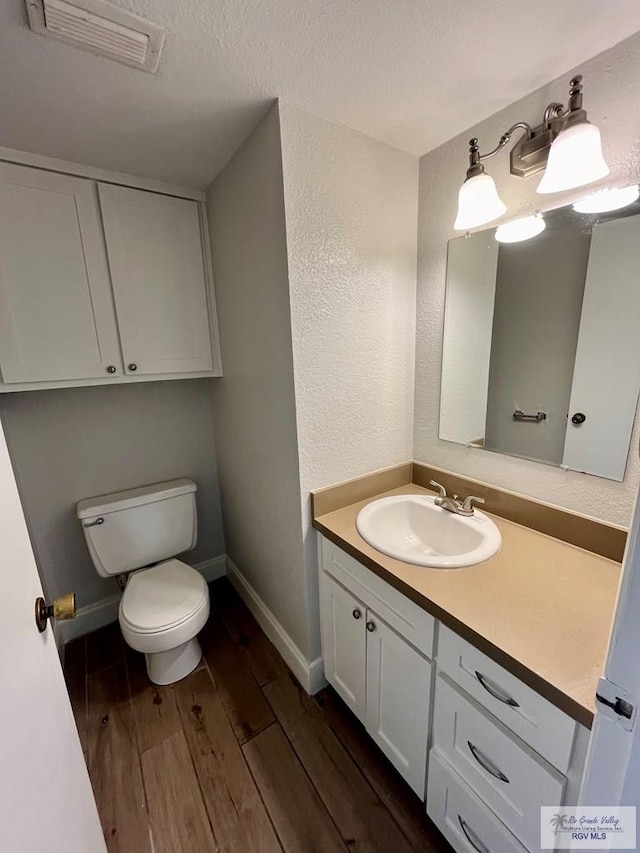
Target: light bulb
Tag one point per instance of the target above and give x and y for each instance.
(478, 203)
(575, 159)
(520, 229)
(611, 199)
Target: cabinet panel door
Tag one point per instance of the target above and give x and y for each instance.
(398, 694)
(56, 308)
(154, 246)
(344, 643)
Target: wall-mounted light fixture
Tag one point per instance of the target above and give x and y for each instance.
(565, 145)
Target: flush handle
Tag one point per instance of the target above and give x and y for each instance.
(62, 608)
(93, 523)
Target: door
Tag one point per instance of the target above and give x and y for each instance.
(612, 771)
(606, 375)
(398, 696)
(344, 643)
(155, 254)
(46, 801)
(56, 309)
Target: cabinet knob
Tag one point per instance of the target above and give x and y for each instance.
(111, 369)
(356, 613)
(371, 626)
(578, 418)
(132, 366)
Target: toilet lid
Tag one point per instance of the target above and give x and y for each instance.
(163, 596)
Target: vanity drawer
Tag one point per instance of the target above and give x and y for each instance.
(410, 621)
(464, 820)
(506, 774)
(539, 723)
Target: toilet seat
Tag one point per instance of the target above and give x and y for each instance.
(163, 607)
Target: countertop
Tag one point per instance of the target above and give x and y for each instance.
(540, 607)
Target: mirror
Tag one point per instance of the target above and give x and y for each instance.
(541, 347)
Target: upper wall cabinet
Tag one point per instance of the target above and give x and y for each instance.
(56, 311)
(157, 271)
(101, 283)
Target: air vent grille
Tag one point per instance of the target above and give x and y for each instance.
(101, 28)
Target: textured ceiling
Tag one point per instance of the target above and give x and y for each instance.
(412, 73)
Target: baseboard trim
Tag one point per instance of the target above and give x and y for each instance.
(102, 612)
(212, 569)
(310, 674)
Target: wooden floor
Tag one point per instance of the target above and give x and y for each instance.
(236, 757)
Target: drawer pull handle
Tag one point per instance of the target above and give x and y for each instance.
(486, 764)
(493, 692)
(356, 613)
(472, 838)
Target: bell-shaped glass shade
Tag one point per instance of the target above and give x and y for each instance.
(478, 203)
(605, 200)
(575, 159)
(520, 229)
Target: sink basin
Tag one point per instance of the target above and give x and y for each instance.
(413, 529)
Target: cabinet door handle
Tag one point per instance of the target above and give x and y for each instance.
(493, 692)
(472, 838)
(371, 626)
(111, 368)
(132, 366)
(356, 613)
(486, 764)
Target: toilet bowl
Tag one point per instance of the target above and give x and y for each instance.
(161, 612)
(135, 534)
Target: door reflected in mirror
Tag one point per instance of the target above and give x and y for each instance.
(541, 348)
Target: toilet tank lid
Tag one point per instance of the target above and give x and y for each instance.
(116, 501)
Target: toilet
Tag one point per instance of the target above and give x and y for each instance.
(135, 535)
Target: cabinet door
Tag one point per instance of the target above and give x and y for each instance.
(154, 245)
(344, 643)
(398, 694)
(56, 308)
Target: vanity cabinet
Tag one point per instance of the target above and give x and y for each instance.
(379, 674)
(100, 283)
(498, 749)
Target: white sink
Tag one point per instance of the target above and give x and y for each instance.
(413, 529)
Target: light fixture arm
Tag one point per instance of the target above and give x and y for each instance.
(555, 119)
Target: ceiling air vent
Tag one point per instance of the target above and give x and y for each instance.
(101, 28)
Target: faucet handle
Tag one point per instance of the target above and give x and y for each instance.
(439, 487)
(468, 503)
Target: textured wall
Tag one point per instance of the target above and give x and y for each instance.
(351, 205)
(254, 405)
(612, 98)
(75, 443)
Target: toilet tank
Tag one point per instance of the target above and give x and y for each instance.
(131, 529)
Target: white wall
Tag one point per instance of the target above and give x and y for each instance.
(351, 209)
(351, 206)
(466, 347)
(74, 443)
(254, 404)
(612, 98)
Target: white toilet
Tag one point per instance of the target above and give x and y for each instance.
(166, 604)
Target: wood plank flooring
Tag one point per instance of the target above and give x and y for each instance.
(234, 758)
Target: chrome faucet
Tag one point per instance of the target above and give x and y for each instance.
(452, 504)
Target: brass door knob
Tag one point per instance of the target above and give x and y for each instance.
(61, 609)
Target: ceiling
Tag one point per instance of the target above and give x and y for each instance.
(412, 73)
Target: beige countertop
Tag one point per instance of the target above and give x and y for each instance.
(540, 607)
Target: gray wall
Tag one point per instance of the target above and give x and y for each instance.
(75, 443)
(254, 404)
(539, 290)
(612, 98)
